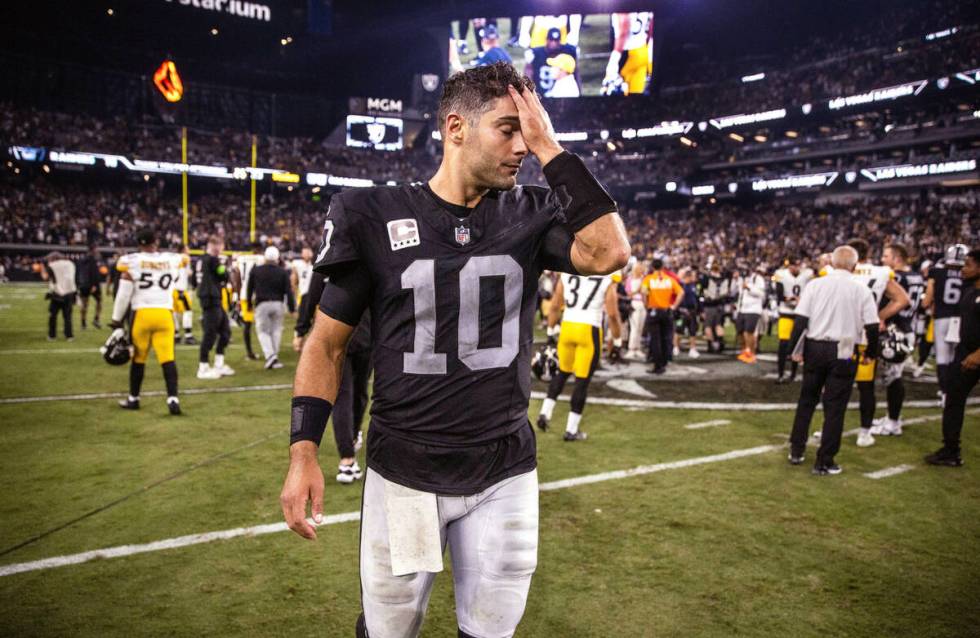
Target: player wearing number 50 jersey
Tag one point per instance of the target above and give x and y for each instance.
(146, 285)
(450, 272)
(579, 342)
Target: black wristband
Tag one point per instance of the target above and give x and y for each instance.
(309, 419)
(582, 197)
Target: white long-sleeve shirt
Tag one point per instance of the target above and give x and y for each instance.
(752, 297)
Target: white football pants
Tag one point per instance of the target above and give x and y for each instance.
(493, 544)
(269, 316)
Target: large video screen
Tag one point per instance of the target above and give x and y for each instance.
(380, 133)
(569, 55)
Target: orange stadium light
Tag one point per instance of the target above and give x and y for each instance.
(167, 81)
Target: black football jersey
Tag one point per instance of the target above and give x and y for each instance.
(452, 302)
(913, 283)
(947, 291)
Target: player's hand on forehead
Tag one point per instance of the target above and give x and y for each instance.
(539, 134)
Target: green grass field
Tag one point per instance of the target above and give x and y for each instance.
(749, 546)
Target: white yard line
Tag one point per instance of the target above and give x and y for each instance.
(731, 407)
(619, 403)
(152, 393)
(890, 471)
(93, 350)
(258, 530)
(706, 424)
(271, 528)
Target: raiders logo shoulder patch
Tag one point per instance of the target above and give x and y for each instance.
(403, 233)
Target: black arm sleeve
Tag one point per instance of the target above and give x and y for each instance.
(250, 291)
(871, 330)
(556, 250)
(800, 324)
(582, 197)
(347, 294)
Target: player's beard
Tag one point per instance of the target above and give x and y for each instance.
(490, 172)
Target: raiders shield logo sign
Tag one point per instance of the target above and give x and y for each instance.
(462, 235)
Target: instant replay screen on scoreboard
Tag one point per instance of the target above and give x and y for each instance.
(566, 55)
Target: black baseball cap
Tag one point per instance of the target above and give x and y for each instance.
(554, 33)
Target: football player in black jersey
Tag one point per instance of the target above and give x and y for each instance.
(449, 269)
(899, 339)
(943, 292)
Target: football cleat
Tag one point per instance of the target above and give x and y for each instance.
(190, 340)
(542, 423)
(174, 407)
(946, 457)
(272, 363)
(578, 436)
(918, 370)
(795, 459)
(865, 439)
(828, 469)
(225, 370)
(129, 404)
(782, 380)
(207, 372)
(347, 474)
(887, 427)
(693, 353)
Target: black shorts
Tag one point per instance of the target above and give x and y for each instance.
(686, 323)
(90, 291)
(746, 322)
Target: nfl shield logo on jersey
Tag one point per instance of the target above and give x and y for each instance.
(462, 235)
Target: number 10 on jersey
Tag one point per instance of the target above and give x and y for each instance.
(420, 277)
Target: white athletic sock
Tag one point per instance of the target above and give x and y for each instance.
(188, 321)
(865, 431)
(547, 408)
(219, 360)
(573, 421)
(132, 398)
(173, 400)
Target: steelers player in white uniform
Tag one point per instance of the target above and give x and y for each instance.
(579, 342)
(631, 60)
(241, 268)
(890, 298)
(183, 310)
(146, 284)
(534, 29)
(788, 282)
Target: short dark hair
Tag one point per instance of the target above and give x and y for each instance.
(471, 92)
(974, 255)
(657, 263)
(900, 250)
(145, 237)
(861, 246)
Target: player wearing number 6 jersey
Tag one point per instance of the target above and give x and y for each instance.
(146, 282)
(579, 342)
(450, 272)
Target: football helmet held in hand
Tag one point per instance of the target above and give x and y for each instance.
(117, 349)
(544, 364)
